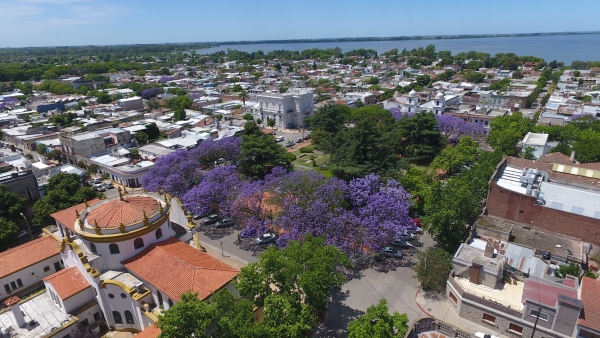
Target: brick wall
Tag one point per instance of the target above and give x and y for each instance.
(522, 208)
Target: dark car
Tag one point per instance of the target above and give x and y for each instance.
(399, 243)
(198, 216)
(391, 252)
(265, 238)
(212, 219)
(224, 223)
(406, 236)
(415, 230)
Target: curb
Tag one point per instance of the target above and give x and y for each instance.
(420, 307)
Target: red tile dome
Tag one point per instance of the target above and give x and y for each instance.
(130, 210)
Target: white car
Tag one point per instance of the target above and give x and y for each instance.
(22, 234)
(279, 139)
(265, 238)
(96, 180)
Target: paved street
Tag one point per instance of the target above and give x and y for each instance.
(398, 287)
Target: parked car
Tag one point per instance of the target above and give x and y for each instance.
(96, 180)
(289, 144)
(391, 252)
(307, 137)
(406, 236)
(280, 139)
(198, 216)
(22, 233)
(299, 140)
(99, 187)
(399, 243)
(273, 133)
(415, 230)
(225, 222)
(109, 185)
(211, 219)
(417, 221)
(265, 238)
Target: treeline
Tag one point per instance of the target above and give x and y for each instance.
(27, 72)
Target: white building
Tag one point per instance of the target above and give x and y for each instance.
(438, 105)
(288, 109)
(539, 143)
(122, 267)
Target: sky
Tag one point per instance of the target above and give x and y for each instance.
(26, 23)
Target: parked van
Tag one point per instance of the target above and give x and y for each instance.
(279, 139)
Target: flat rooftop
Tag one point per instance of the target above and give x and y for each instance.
(121, 276)
(508, 295)
(42, 310)
(571, 199)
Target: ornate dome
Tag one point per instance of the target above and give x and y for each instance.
(439, 96)
(127, 211)
(412, 93)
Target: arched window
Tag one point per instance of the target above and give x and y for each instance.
(170, 302)
(117, 317)
(160, 300)
(158, 233)
(128, 317)
(114, 249)
(138, 243)
(93, 248)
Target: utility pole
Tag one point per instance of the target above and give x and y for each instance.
(536, 320)
(27, 222)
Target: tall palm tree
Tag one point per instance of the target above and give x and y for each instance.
(243, 95)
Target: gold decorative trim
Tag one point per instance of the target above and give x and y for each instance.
(119, 237)
(139, 296)
(128, 329)
(129, 290)
(151, 315)
(90, 270)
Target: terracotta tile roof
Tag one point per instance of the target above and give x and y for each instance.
(12, 300)
(175, 267)
(68, 282)
(151, 331)
(27, 254)
(128, 211)
(67, 216)
(590, 316)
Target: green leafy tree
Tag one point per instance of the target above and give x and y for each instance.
(244, 96)
(293, 283)
(11, 205)
(190, 317)
(135, 153)
(55, 155)
(179, 114)
(141, 137)
(587, 146)
(506, 131)
(152, 131)
(433, 268)
(41, 149)
(365, 148)
(528, 154)
(270, 122)
(261, 153)
(259, 121)
(62, 191)
(92, 169)
(377, 322)
(453, 158)
(180, 102)
(248, 117)
(82, 90)
(419, 138)
(8, 234)
(103, 98)
(359, 103)
(330, 118)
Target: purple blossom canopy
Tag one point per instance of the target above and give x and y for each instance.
(178, 172)
(455, 127)
(217, 190)
(165, 79)
(151, 93)
(194, 96)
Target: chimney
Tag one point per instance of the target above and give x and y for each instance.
(13, 303)
(489, 251)
(572, 156)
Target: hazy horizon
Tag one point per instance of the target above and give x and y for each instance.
(48, 23)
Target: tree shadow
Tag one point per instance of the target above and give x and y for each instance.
(337, 318)
(435, 295)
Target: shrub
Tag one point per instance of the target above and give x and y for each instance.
(307, 149)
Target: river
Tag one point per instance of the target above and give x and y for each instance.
(565, 48)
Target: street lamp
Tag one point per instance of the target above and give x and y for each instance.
(26, 222)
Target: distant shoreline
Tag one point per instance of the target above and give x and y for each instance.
(394, 38)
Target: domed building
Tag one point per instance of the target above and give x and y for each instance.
(125, 264)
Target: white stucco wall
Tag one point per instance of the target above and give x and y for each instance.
(120, 304)
(78, 299)
(30, 275)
